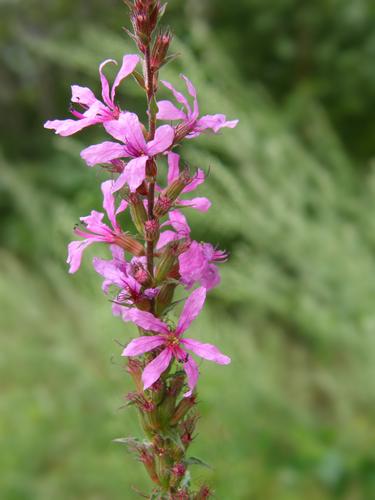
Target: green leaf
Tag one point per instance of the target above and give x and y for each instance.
(197, 461)
(139, 79)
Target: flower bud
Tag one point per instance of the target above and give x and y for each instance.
(164, 298)
(184, 406)
(130, 245)
(151, 230)
(160, 50)
(135, 368)
(148, 461)
(204, 493)
(137, 211)
(167, 261)
(170, 194)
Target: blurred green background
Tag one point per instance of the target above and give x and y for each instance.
(293, 189)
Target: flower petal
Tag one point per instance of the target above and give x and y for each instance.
(145, 320)
(134, 137)
(192, 372)
(177, 95)
(206, 351)
(75, 251)
(155, 368)
(166, 237)
(116, 128)
(201, 204)
(129, 62)
(173, 166)
(193, 92)
(69, 126)
(105, 84)
(196, 181)
(164, 137)
(168, 111)
(109, 271)
(141, 345)
(192, 308)
(102, 153)
(215, 122)
(83, 95)
(134, 174)
(109, 201)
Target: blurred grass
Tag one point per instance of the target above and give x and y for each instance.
(293, 416)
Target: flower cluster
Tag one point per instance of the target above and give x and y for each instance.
(156, 254)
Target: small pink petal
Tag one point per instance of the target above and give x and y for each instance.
(215, 122)
(109, 201)
(134, 174)
(155, 368)
(116, 128)
(145, 320)
(129, 63)
(192, 372)
(105, 84)
(75, 251)
(201, 204)
(134, 134)
(173, 166)
(192, 308)
(165, 238)
(206, 351)
(102, 153)
(141, 345)
(83, 95)
(177, 95)
(164, 137)
(192, 91)
(168, 111)
(69, 126)
(197, 180)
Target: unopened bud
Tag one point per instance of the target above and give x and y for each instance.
(184, 406)
(137, 211)
(130, 245)
(170, 194)
(167, 261)
(165, 297)
(135, 369)
(204, 493)
(160, 50)
(148, 461)
(151, 230)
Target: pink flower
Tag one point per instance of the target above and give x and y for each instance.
(93, 110)
(181, 229)
(125, 276)
(96, 230)
(191, 125)
(128, 129)
(174, 346)
(201, 203)
(197, 265)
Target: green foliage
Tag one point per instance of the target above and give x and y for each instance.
(292, 417)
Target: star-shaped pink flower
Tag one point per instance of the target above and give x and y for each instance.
(191, 125)
(94, 111)
(174, 346)
(128, 129)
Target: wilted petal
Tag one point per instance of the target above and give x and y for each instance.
(201, 204)
(102, 153)
(145, 320)
(154, 369)
(192, 308)
(173, 167)
(206, 351)
(75, 251)
(141, 345)
(164, 137)
(105, 84)
(129, 62)
(192, 372)
(83, 95)
(168, 111)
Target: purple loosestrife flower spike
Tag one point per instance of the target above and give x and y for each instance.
(129, 130)
(94, 111)
(174, 346)
(191, 125)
